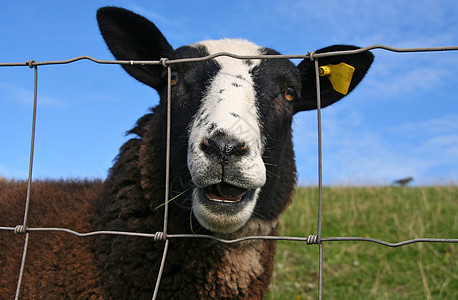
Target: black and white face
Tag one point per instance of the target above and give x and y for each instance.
(240, 111)
(231, 131)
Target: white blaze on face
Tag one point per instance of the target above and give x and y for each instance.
(229, 106)
(227, 116)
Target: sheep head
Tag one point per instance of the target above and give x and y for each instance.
(233, 117)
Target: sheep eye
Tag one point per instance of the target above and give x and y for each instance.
(175, 78)
(290, 94)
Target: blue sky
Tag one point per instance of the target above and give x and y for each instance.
(401, 121)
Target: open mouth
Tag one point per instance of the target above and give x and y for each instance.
(223, 207)
(224, 192)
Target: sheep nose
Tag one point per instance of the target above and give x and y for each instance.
(224, 149)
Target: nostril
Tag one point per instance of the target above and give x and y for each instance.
(223, 150)
(210, 146)
(239, 149)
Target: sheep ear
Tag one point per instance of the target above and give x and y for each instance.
(132, 37)
(329, 94)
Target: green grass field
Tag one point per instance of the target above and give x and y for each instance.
(362, 270)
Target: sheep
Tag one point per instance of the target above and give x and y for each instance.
(232, 165)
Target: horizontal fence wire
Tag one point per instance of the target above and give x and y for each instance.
(165, 61)
(162, 235)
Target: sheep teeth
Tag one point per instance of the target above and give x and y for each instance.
(224, 201)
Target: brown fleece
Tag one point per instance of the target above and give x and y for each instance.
(58, 265)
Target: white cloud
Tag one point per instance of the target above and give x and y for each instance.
(25, 97)
(356, 154)
(13, 173)
(395, 74)
(401, 81)
(151, 15)
(444, 125)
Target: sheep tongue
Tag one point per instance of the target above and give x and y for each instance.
(229, 191)
(225, 192)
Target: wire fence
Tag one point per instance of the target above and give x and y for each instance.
(314, 239)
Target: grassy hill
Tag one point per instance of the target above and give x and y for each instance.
(362, 270)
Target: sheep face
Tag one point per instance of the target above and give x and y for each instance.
(230, 110)
(231, 118)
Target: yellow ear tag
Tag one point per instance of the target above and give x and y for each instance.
(340, 76)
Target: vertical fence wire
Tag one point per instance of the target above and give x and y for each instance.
(167, 177)
(320, 174)
(23, 228)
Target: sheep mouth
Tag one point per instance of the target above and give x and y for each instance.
(222, 207)
(224, 192)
